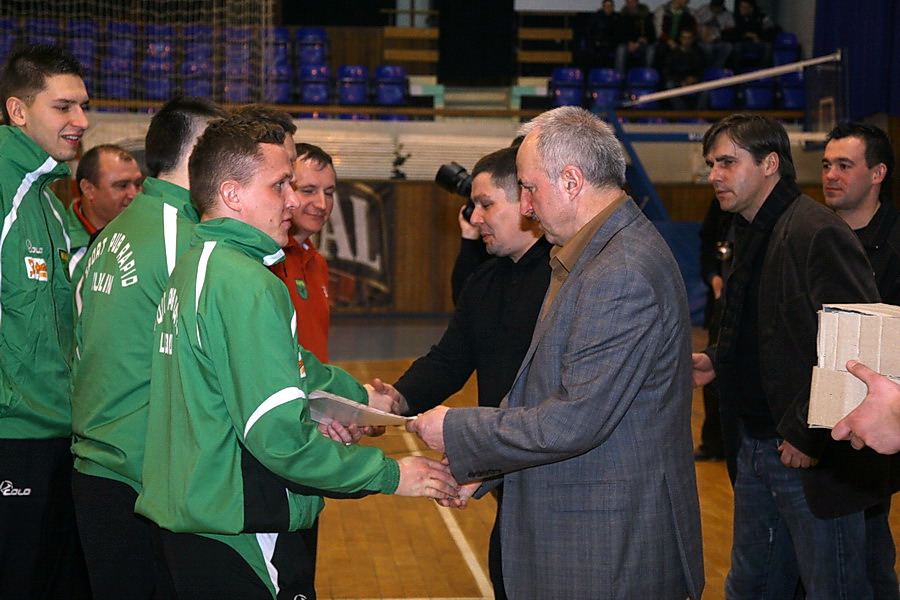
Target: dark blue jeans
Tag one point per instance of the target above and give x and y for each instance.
(776, 536)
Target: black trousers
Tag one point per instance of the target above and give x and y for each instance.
(40, 555)
(202, 567)
(118, 544)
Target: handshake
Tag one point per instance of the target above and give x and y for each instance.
(419, 476)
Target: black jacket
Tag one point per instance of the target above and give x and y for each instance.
(812, 258)
(489, 333)
(881, 239)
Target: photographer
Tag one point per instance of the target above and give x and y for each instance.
(497, 309)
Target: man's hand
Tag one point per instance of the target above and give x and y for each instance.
(429, 426)
(345, 435)
(467, 230)
(420, 476)
(462, 500)
(876, 421)
(398, 401)
(702, 371)
(380, 398)
(791, 457)
(716, 283)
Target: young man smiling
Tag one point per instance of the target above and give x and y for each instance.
(44, 102)
(304, 269)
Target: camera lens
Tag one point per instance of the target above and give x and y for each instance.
(453, 177)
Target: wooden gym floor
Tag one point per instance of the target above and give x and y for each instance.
(385, 547)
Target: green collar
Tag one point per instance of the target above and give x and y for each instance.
(28, 155)
(237, 234)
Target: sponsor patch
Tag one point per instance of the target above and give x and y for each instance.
(36, 268)
(8, 489)
(301, 288)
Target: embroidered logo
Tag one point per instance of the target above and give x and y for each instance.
(32, 249)
(301, 288)
(301, 366)
(7, 489)
(36, 268)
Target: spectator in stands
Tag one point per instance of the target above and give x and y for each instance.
(303, 269)
(108, 178)
(43, 102)
(670, 19)
(132, 257)
(495, 314)
(751, 37)
(712, 20)
(637, 37)
(685, 65)
(238, 466)
(876, 421)
(601, 37)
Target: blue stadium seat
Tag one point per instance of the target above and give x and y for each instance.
(237, 65)
(793, 92)
(238, 52)
(197, 65)
(199, 87)
(641, 81)
(720, 98)
(604, 88)
(353, 84)
(785, 49)
(276, 45)
(121, 40)
(42, 31)
(311, 45)
(277, 92)
(83, 44)
(759, 94)
(567, 86)
(391, 85)
(276, 62)
(236, 90)
(315, 84)
(9, 28)
(158, 65)
(116, 77)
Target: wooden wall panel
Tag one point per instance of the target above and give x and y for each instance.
(424, 243)
(355, 46)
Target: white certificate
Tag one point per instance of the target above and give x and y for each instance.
(325, 407)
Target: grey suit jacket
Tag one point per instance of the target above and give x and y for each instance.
(593, 441)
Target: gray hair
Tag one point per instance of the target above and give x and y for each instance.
(570, 135)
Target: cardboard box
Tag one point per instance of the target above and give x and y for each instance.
(869, 333)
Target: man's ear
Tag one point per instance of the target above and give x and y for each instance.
(771, 163)
(879, 173)
(229, 195)
(87, 188)
(16, 108)
(573, 180)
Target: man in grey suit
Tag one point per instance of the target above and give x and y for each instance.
(593, 441)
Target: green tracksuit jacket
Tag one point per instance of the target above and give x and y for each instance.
(79, 239)
(124, 275)
(230, 445)
(35, 294)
